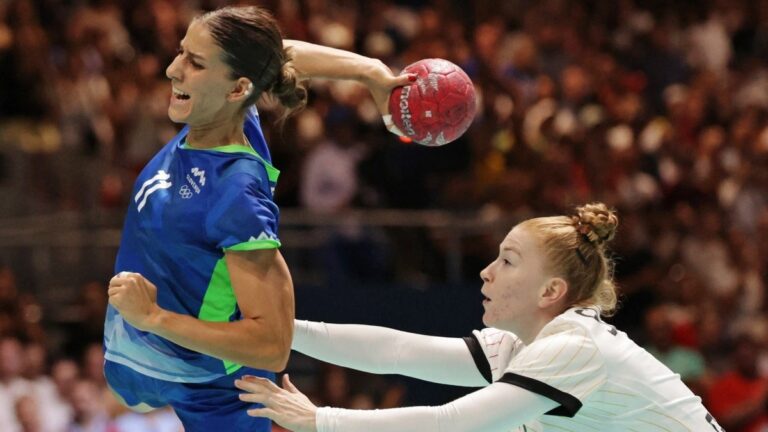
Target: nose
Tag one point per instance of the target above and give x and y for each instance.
(173, 71)
(485, 274)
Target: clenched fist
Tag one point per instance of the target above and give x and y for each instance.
(135, 298)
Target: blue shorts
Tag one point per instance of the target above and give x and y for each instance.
(201, 407)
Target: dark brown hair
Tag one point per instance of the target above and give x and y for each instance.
(253, 48)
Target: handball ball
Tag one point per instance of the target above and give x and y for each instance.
(438, 107)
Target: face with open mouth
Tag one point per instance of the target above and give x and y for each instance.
(202, 90)
(512, 282)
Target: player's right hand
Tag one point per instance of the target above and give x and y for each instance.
(135, 298)
(380, 81)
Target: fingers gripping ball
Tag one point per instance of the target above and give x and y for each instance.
(438, 107)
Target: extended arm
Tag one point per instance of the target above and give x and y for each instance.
(264, 292)
(385, 351)
(499, 407)
(317, 61)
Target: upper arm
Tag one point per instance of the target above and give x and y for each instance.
(243, 222)
(416, 356)
(491, 350)
(263, 288)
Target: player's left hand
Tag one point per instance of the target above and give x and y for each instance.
(287, 406)
(135, 298)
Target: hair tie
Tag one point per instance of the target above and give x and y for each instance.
(587, 231)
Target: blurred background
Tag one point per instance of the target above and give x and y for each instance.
(657, 108)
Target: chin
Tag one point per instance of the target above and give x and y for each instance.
(179, 114)
(175, 117)
(487, 321)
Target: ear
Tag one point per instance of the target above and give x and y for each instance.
(242, 90)
(553, 292)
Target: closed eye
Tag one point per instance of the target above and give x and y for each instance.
(196, 65)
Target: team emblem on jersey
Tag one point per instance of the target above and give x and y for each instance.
(195, 174)
(154, 184)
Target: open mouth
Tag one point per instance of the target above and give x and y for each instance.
(180, 95)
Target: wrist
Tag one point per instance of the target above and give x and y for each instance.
(155, 319)
(368, 70)
(313, 424)
(323, 421)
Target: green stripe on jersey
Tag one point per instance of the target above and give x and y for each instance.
(272, 172)
(254, 245)
(220, 303)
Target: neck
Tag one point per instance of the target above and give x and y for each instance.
(217, 134)
(533, 327)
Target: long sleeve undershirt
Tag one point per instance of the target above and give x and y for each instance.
(382, 350)
(497, 407)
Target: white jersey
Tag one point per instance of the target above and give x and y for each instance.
(600, 378)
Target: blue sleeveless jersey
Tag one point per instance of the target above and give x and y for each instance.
(187, 208)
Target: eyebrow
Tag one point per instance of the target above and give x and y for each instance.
(196, 57)
(512, 249)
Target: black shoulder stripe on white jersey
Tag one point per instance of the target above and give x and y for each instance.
(569, 404)
(481, 361)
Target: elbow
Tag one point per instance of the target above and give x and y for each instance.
(281, 362)
(272, 354)
(282, 352)
(270, 358)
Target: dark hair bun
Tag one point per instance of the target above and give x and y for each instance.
(287, 89)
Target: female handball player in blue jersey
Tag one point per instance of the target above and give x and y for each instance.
(547, 362)
(202, 295)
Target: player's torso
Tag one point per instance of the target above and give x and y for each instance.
(166, 235)
(639, 392)
(175, 207)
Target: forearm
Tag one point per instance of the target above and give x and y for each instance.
(317, 61)
(499, 407)
(386, 351)
(252, 341)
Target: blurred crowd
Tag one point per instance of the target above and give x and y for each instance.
(657, 108)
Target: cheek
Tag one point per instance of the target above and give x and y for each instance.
(510, 303)
(510, 294)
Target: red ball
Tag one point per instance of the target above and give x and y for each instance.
(438, 107)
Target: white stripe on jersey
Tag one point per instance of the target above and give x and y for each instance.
(161, 175)
(159, 185)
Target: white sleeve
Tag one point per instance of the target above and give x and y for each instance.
(492, 349)
(497, 408)
(381, 350)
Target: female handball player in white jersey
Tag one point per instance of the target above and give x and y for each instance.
(547, 361)
(202, 294)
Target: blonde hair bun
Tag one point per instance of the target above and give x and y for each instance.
(597, 222)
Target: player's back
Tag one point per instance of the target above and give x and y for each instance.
(635, 391)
